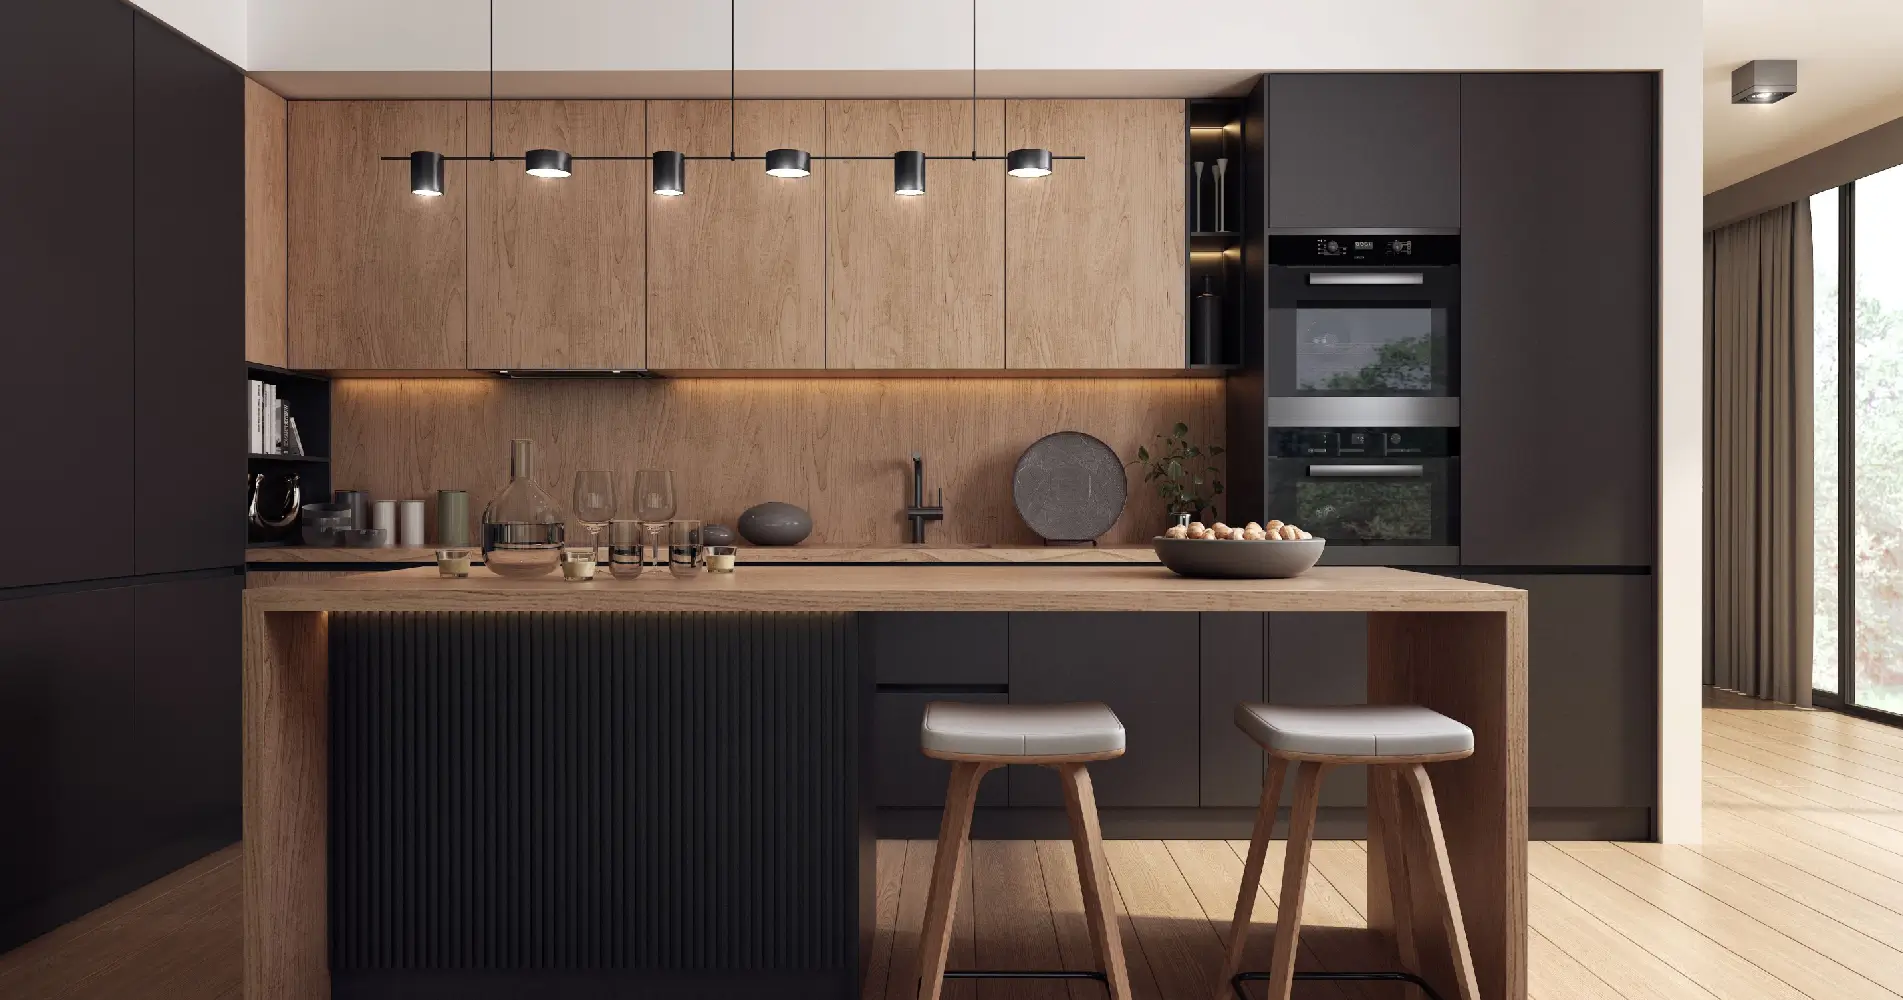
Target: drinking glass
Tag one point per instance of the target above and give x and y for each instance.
(625, 546)
(653, 495)
(594, 503)
(685, 557)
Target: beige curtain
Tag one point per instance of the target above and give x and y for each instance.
(1758, 455)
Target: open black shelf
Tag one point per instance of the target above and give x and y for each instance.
(307, 397)
(283, 373)
(1214, 260)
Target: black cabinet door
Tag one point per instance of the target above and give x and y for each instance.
(902, 776)
(68, 743)
(1558, 319)
(1234, 656)
(187, 694)
(1144, 666)
(1321, 658)
(66, 286)
(936, 648)
(1364, 150)
(188, 497)
(1592, 689)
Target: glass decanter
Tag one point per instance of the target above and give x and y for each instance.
(523, 531)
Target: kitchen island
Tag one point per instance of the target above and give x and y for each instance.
(755, 851)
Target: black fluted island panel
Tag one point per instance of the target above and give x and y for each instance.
(598, 805)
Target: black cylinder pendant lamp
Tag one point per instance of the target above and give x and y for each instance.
(1028, 163)
(426, 173)
(789, 162)
(547, 163)
(908, 172)
(670, 173)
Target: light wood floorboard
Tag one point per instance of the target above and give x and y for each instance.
(1796, 894)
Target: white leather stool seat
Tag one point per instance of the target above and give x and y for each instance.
(1353, 730)
(1081, 729)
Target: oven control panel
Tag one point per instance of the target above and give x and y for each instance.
(1355, 250)
(1362, 442)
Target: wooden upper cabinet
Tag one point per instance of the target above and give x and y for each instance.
(1095, 252)
(736, 273)
(557, 266)
(378, 276)
(265, 216)
(915, 282)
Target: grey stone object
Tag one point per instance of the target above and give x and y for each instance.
(1069, 487)
(775, 523)
(716, 534)
(1238, 560)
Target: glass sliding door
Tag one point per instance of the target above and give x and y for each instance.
(1826, 661)
(1876, 475)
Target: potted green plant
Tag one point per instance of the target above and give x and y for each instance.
(1184, 477)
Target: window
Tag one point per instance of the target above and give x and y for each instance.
(1825, 660)
(1877, 382)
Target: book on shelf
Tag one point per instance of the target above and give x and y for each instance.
(272, 430)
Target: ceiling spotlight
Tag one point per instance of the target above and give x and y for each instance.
(426, 173)
(1028, 163)
(789, 162)
(908, 172)
(546, 163)
(1764, 81)
(670, 173)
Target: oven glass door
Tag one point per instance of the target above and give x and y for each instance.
(1361, 340)
(1386, 502)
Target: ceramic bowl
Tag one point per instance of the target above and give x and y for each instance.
(1238, 560)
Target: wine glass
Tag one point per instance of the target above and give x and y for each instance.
(653, 495)
(594, 503)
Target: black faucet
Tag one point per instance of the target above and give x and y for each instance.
(918, 512)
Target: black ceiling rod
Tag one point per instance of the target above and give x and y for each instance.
(492, 79)
(733, 67)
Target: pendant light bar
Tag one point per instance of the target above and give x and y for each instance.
(908, 173)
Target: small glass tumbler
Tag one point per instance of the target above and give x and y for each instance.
(453, 563)
(578, 565)
(625, 549)
(720, 558)
(685, 555)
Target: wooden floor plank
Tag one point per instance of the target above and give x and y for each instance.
(202, 958)
(1059, 861)
(902, 982)
(1837, 942)
(1597, 942)
(1676, 943)
(1012, 920)
(1716, 920)
(1853, 865)
(1848, 746)
(1863, 768)
(1826, 788)
(1743, 794)
(1184, 952)
(889, 865)
(1827, 723)
(1214, 873)
(1552, 974)
(1759, 861)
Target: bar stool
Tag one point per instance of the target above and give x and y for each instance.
(1394, 740)
(978, 739)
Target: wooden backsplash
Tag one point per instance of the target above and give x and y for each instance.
(841, 448)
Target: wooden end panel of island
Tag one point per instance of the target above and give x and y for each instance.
(1456, 646)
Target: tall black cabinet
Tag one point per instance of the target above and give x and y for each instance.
(122, 228)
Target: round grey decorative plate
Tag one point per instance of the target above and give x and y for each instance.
(1069, 487)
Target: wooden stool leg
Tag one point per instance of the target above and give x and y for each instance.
(954, 832)
(1288, 915)
(1432, 850)
(1392, 818)
(1252, 874)
(1093, 872)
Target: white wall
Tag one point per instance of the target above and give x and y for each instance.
(1047, 46)
(218, 25)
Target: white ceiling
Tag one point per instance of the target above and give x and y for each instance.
(1849, 78)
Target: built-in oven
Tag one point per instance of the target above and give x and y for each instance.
(1381, 496)
(1362, 328)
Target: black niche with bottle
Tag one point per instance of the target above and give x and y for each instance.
(1213, 214)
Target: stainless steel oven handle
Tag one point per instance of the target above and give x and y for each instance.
(1366, 279)
(1367, 471)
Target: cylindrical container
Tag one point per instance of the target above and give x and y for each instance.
(624, 549)
(359, 503)
(452, 518)
(685, 556)
(720, 558)
(384, 520)
(409, 523)
(1205, 327)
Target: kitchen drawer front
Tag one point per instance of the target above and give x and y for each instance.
(1144, 667)
(902, 776)
(936, 647)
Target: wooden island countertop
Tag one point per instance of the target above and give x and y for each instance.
(889, 588)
